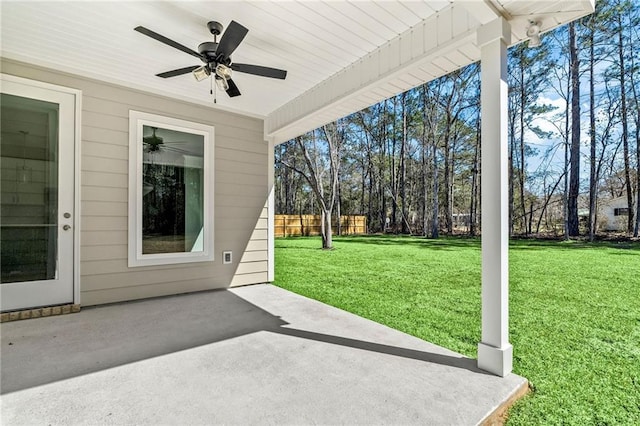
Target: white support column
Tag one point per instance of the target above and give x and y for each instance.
(495, 353)
(271, 211)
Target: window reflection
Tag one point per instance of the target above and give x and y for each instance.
(172, 191)
(29, 189)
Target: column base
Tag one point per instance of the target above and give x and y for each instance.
(498, 361)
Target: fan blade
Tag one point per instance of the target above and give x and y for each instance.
(259, 70)
(168, 42)
(233, 90)
(232, 37)
(179, 71)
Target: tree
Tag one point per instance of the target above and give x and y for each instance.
(635, 91)
(624, 119)
(403, 165)
(574, 172)
(320, 164)
(593, 179)
(413, 159)
(636, 104)
(529, 71)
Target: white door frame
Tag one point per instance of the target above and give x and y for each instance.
(77, 94)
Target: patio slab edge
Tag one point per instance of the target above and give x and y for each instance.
(498, 416)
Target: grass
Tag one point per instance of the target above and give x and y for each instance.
(574, 321)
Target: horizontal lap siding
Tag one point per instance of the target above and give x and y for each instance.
(240, 219)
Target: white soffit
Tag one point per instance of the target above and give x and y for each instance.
(438, 45)
(341, 56)
(312, 40)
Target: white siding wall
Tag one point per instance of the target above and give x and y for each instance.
(608, 219)
(240, 216)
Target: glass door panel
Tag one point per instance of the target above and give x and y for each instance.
(29, 162)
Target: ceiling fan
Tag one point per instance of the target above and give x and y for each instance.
(153, 142)
(216, 57)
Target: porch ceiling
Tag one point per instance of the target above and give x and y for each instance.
(341, 56)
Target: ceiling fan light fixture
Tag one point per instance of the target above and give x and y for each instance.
(223, 71)
(222, 83)
(533, 32)
(201, 73)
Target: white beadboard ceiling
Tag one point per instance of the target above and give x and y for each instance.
(341, 56)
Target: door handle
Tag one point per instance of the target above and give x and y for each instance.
(66, 227)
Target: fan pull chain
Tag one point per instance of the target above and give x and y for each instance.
(211, 91)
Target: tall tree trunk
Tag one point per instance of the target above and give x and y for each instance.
(327, 239)
(451, 180)
(521, 171)
(565, 198)
(636, 228)
(381, 169)
(403, 167)
(446, 172)
(434, 191)
(593, 179)
(636, 103)
(625, 125)
(512, 151)
(423, 161)
(392, 171)
(474, 181)
(574, 178)
(368, 178)
(363, 187)
(371, 185)
(339, 209)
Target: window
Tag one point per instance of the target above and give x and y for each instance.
(170, 190)
(621, 211)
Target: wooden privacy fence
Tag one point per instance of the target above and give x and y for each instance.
(309, 224)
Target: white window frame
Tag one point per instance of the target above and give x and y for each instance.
(137, 120)
(621, 211)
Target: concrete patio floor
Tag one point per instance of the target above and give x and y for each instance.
(249, 355)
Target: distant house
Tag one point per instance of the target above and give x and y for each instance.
(614, 214)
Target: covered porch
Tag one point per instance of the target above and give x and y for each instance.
(250, 355)
(259, 354)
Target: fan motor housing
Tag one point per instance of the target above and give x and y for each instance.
(208, 48)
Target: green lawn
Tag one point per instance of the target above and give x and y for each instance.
(575, 311)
